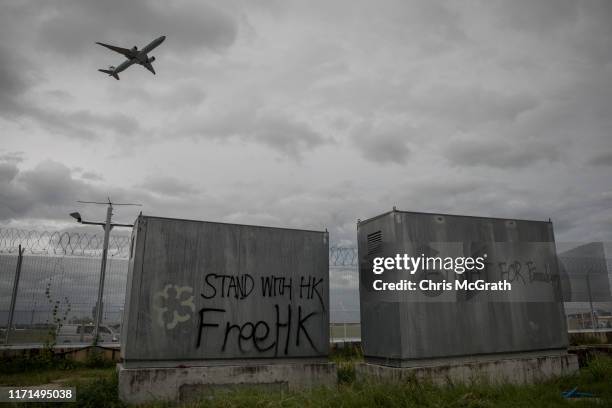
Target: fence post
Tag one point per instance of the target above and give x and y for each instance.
(14, 294)
(594, 322)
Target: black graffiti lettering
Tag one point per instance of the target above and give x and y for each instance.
(207, 280)
(316, 291)
(511, 272)
(311, 289)
(304, 286)
(531, 270)
(272, 286)
(203, 325)
(301, 328)
(237, 286)
(258, 335)
(280, 325)
(262, 337)
(242, 336)
(284, 286)
(228, 328)
(231, 285)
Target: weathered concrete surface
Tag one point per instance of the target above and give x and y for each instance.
(515, 369)
(401, 325)
(140, 385)
(209, 292)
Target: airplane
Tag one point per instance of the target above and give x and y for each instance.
(134, 56)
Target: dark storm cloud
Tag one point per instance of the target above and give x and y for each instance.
(480, 105)
(70, 26)
(38, 192)
(50, 190)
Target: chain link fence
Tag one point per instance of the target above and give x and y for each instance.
(60, 272)
(58, 283)
(59, 278)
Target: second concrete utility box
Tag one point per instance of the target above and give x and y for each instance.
(404, 328)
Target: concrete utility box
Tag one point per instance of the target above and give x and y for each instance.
(212, 306)
(407, 328)
(214, 293)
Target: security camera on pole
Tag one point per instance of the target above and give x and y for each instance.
(108, 226)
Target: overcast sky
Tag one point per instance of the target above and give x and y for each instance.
(309, 114)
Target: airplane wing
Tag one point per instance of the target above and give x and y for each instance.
(125, 51)
(148, 66)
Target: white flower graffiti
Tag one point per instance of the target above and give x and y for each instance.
(173, 305)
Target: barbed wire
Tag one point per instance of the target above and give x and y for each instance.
(342, 256)
(62, 243)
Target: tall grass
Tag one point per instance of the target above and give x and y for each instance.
(595, 378)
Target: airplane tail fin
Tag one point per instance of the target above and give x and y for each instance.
(109, 72)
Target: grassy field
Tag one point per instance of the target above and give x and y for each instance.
(97, 387)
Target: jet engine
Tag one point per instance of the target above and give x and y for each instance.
(134, 48)
(151, 59)
(111, 68)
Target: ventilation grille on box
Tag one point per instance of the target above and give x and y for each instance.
(374, 242)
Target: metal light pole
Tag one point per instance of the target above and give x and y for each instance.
(108, 226)
(14, 294)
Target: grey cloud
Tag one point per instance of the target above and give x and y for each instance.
(467, 106)
(179, 97)
(383, 146)
(49, 191)
(82, 124)
(495, 152)
(602, 159)
(286, 135)
(8, 171)
(72, 26)
(37, 192)
(458, 105)
(167, 185)
(14, 81)
(539, 16)
(273, 129)
(11, 157)
(525, 84)
(92, 175)
(582, 25)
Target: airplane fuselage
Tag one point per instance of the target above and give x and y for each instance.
(124, 65)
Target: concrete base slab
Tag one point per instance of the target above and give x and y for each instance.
(514, 370)
(138, 385)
